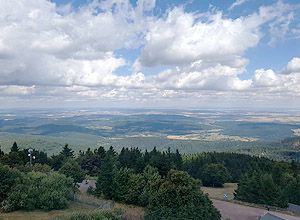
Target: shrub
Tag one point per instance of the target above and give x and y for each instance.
(39, 191)
(9, 178)
(178, 197)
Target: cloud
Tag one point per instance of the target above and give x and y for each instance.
(17, 90)
(217, 78)
(273, 83)
(265, 78)
(50, 52)
(40, 44)
(180, 38)
(237, 3)
(293, 66)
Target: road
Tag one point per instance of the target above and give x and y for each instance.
(234, 211)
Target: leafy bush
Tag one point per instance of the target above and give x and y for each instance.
(178, 197)
(39, 191)
(9, 178)
(72, 169)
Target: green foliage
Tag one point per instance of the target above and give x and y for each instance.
(214, 175)
(261, 189)
(292, 190)
(104, 184)
(90, 161)
(43, 168)
(134, 177)
(39, 191)
(236, 164)
(1, 153)
(152, 181)
(67, 152)
(127, 186)
(15, 147)
(72, 169)
(178, 197)
(96, 215)
(8, 179)
(57, 161)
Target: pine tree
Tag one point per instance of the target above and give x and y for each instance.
(67, 152)
(14, 148)
(104, 184)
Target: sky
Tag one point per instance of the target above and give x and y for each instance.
(150, 54)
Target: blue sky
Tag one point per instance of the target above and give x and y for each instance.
(149, 53)
(273, 57)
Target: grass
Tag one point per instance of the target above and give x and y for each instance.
(218, 193)
(131, 212)
(85, 203)
(43, 215)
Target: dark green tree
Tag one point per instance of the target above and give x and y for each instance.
(292, 190)
(8, 179)
(178, 197)
(57, 161)
(72, 169)
(104, 185)
(14, 147)
(152, 182)
(214, 175)
(260, 188)
(67, 152)
(1, 153)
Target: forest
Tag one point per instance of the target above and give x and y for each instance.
(166, 183)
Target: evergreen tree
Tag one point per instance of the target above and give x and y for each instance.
(178, 160)
(152, 182)
(214, 175)
(15, 147)
(104, 184)
(67, 152)
(260, 188)
(1, 153)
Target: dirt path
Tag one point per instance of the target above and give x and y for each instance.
(234, 211)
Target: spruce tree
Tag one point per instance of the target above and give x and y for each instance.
(104, 185)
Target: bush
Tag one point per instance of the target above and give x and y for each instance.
(39, 191)
(178, 197)
(9, 178)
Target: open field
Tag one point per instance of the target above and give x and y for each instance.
(218, 193)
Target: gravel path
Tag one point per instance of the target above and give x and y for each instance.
(234, 211)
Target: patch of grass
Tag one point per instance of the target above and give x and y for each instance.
(85, 203)
(218, 193)
(40, 215)
(94, 215)
(131, 212)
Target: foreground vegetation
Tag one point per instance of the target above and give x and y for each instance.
(165, 183)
